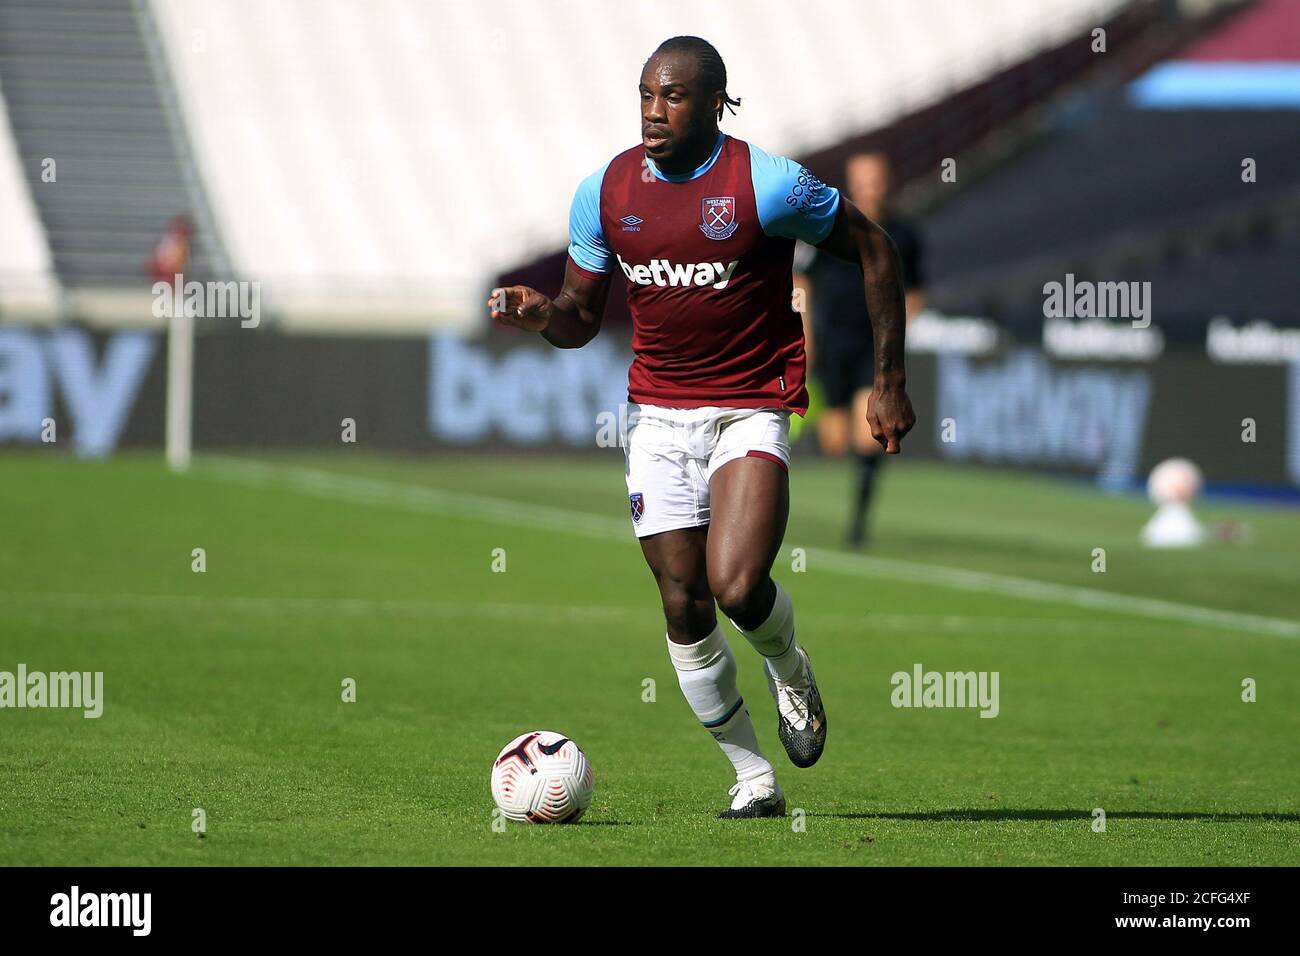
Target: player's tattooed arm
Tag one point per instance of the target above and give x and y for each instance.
(569, 321)
(856, 238)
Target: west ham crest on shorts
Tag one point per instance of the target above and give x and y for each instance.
(718, 216)
(637, 500)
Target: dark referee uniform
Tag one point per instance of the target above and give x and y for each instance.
(844, 359)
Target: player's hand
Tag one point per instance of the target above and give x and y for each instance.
(520, 306)
(890, 415)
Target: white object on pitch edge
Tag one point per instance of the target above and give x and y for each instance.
(542, 777)
(1172, 486)
(180, 389)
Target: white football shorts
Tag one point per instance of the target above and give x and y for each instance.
(671, 453)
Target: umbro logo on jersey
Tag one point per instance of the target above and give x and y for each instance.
(631, 223)
(661, 272)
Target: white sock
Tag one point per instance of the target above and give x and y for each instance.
(706, 672)
(774, 638)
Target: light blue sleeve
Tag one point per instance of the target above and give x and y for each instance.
(792, 202)
(587, 246)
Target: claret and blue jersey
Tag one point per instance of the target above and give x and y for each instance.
(707, 256)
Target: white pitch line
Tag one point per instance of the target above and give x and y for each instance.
(437, 501)
(272, 604)
(1029, 589)
(416, 497)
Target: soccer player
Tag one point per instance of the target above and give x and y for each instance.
(838, 339)
(703, 227)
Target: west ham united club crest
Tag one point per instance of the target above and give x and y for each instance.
(718, 216)
(637, 500)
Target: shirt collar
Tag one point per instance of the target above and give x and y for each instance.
(696, 173)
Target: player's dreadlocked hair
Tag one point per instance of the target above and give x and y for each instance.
(713, 72)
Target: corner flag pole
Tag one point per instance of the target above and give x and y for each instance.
(180, 388)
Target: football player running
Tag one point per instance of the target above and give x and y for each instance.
(703, 226)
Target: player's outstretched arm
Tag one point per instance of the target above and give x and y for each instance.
(569, 321)
(856, 238)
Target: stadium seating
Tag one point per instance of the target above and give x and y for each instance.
(86, 88)
(397, 154)
(1121, 183)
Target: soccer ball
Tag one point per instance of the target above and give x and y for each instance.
(542, 777)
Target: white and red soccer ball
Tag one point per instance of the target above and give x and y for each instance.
(542, 777)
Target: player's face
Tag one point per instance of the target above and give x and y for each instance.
(677, 118)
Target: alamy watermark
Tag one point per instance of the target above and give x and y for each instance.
(209, 300)
(922, 688)
(81, 690)
(130, 910)
(1098, 300)
(613, 428)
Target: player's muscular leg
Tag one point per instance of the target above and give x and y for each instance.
(863, 441)
(749, 506)
(677, 559)
(833, 431)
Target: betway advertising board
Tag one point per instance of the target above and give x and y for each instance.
(90, 393)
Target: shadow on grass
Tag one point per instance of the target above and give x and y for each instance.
(995, 815)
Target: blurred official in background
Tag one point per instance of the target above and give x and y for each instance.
(171, 254)
(837, 330)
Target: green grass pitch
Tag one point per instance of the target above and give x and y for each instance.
(223, 689)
